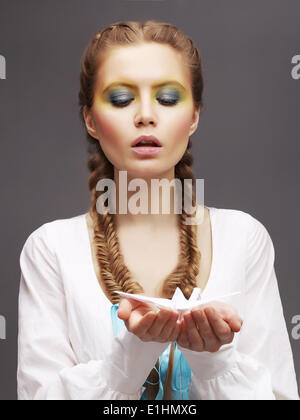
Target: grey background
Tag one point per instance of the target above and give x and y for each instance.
(246, 146)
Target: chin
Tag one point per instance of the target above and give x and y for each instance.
(155, 171)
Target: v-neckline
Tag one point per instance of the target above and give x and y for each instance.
(90, 261)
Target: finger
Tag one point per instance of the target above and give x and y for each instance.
(232, 318)
(193, 335)
(234, 321)
(182, 339)
(125, 308)
(161, 320)
(229, 314)
(171, 328)
(127, 305)
(211, 342)
(140, 324)
(175, 333)
(221, 328)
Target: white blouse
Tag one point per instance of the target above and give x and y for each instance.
(67, 349)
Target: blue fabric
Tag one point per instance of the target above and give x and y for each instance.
(181, 379)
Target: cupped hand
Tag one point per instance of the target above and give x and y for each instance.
(209, 327)
(147, 322)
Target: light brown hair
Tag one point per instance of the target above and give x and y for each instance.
(114, 272)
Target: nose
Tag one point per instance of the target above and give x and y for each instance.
(145, 114)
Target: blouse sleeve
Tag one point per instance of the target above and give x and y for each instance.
(258, 364)
(47, 365)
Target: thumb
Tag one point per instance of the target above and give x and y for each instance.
(124, 310)
(235, 323)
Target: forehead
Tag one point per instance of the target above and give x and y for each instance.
(144, 64)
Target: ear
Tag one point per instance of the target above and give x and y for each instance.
(89, 122)
(195, 121)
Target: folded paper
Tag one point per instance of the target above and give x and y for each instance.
(178, 302)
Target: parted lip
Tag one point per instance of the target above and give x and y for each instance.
(148, 138)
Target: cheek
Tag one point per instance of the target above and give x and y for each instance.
(181, 126)
(107, 128)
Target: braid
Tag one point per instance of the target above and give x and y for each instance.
(183, 170)
(114, 272)
(185, 274)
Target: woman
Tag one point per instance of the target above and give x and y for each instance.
(76, 339)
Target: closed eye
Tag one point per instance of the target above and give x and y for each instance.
(168, 97)
(121, 98)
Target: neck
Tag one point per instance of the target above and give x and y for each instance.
(146, 200)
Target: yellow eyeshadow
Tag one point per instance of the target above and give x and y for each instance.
(169, 92)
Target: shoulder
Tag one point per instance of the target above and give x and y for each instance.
(239, 220)
(40, 257)
(50, 234)
(245, 225)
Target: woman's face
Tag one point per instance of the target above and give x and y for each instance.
(128, 103)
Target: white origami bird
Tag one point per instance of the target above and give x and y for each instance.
(178, 302)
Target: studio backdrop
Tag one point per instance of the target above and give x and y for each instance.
(246, 147)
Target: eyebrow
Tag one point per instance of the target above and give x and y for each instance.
(132, 85)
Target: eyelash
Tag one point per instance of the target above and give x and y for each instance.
(121, 104)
